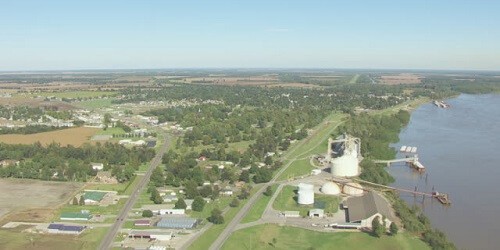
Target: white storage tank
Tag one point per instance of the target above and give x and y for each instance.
(345, 166)
(353, 189)
(330, 188)
(306, 194)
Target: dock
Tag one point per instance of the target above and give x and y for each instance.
(412, 161)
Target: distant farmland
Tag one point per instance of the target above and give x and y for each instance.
(70, 136)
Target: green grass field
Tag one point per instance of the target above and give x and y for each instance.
(261, 237)
(297, 168)
(286, 201)
(110, 131)
(316, 144)
(258, 208)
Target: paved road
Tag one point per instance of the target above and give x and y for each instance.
(244, 211)
(110, 236)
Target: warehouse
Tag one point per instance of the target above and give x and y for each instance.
(153, 235)
(365, 208)
(64, 229)
(177, 222)
(142, 223)
(93, 197)
(316, 213)
(291, 214)
(172, 211)
(75, 216)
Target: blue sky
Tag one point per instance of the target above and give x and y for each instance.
(40, 35)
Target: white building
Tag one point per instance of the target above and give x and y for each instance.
(291, 214)
(97, 166)
(316, 213)
(330, 188)
(172, 211)
(306, 194)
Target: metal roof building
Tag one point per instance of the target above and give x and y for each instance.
(177, 222)
(93, 196)
(64, 229)
(75, 216)
(365, 208)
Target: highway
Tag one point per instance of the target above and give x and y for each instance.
(108, 239)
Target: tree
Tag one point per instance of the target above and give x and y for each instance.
(147, 213)
(156, 197)
(263, 175)
(245, 176)
(377, 228)
(206, 191)
(198, 204)
(82, 201)
(216, 216)
(269, 191)
(157, 177)
(245, 193)
(180, 204)
(75, 201)
(191, 189)
(107, 119)
(235, 202)
(393, 228)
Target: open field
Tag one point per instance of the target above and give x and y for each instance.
(403, 78)
(70, 136)
(298, 168)
(261, 237)
(34, 199)
(15, 239)
(95, 103)
(35, 102)
(75, 94)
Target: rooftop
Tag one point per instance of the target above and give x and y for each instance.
(360, 208)
(62, 227)
(75, 215)
(94, 195)
(177, 222)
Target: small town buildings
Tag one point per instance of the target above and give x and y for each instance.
(64, 229)
(97, 166)
(72, 216)
(152, 235)
(316, 213)
(142, 223)
(170, 198)
(365, 208)
(177, 222)
(189, 203)
(290, 214)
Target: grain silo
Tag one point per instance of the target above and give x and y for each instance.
(330, 188)
(306, 194)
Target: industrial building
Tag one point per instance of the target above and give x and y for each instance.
(93, 197)
(152, 235)
(330, 188)
(64, 229)
(364, 209)
(343, 156)
(171, 211)
(75, 216)
(142, 223)
(306, 194)
(177, 222)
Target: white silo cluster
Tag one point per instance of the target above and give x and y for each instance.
(306, 194)
(330, 188)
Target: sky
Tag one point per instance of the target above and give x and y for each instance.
(422, 34)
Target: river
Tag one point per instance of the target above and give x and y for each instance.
(460, 149)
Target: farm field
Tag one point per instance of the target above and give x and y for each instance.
(76, 94)
(71, 136)
(404, 78)
(38, 197)
(261, 237)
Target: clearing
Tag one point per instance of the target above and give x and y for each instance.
(34, 199)
(71, 136)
